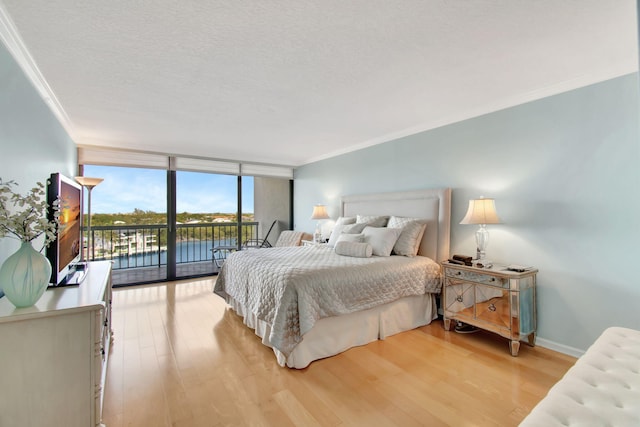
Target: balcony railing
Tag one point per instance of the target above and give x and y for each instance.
(134, 246)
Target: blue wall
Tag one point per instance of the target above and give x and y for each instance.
(33, 144)
(565, 174)
(563, 170)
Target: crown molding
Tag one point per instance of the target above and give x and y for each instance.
(578, 82)
(10, 37)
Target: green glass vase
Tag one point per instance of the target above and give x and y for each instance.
(24, 276)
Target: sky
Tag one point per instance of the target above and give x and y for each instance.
(125, 189)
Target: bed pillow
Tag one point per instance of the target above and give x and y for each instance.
(342, 220)
(354, 249)
(373, 220)
(344, 229)
(358, 238)
(381, 239)
(413, 229)
(401, 221)
(345, 220)
(408, 243)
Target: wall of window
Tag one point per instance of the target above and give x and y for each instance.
(171, 212)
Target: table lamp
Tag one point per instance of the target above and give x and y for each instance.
(481, 211)
(319, 213)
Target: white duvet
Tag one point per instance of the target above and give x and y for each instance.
(290, 288)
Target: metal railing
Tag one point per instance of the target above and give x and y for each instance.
(134, 246)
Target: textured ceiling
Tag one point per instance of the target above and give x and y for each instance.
(293, 81)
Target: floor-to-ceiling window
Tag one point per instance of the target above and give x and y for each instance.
(206, 218)
(129, 221)
(164, 222)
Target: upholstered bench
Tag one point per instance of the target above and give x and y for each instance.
(601, 389)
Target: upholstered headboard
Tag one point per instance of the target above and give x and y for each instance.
(432, 205)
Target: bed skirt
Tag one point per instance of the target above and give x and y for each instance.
(333, 335)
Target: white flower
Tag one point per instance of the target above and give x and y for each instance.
(25, 217)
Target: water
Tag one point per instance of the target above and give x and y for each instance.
(191, 251)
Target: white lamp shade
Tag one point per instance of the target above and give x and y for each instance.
(319, 212)
(88, 182)
(481, 211)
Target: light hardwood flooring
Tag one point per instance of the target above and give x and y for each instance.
(180, 357)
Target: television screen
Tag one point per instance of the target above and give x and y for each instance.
(64, 252)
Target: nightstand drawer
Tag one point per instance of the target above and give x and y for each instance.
(471, 276)
(459, 300)
(492, 306)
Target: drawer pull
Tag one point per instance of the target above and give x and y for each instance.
(458, 273)
(459, 298)
(493, 279)
(492, 307)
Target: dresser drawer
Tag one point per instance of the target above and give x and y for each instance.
(472, 276)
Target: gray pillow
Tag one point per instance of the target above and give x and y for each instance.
(413, 229)
(354, 249)
(408, 243)
(346, 220)
(344, 229)
(373, 220)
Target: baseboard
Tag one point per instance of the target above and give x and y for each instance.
(560, 348)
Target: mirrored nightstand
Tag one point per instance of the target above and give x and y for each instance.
(494, 299)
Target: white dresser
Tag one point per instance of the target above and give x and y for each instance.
(53, 356)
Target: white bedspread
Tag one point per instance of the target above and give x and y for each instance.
(291, 288)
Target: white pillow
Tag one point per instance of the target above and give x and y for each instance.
(381, 239)
(358, 238)
(373, 220)
(413, 229)
(344, 229)
(354, 249)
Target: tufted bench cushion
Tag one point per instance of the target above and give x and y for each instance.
(601, 389)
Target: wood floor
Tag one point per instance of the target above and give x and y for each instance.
(180, 357)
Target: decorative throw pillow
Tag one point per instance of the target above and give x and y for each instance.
(373, 220)
(354, 249)
(401, 221)
(358, 238)
(344, 229)
(413, 229)
(408, 243)
(381, 239)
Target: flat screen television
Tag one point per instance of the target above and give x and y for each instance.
(64, 252)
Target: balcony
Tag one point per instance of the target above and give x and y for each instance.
(139, 252)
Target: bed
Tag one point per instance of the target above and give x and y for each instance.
(308, 302)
